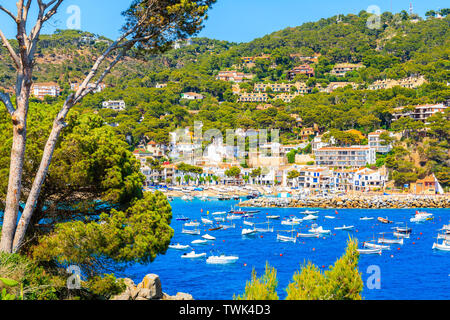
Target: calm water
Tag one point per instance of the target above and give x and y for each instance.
(410, 271)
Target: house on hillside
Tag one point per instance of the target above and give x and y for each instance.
(40, 90)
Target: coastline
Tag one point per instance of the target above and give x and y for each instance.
(353, 202)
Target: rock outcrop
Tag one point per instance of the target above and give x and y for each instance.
(150, 288)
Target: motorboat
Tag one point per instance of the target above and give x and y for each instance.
(222, 259)
(208, 237)
(290, 222)
(418, 219)
(310, 217)
(206, 221)
(344, 227)
(286, 238)
(308, 235)
(193, 255)
(233, 217)
(329, 217)
(370, 251)
(248, 223)
(390, 241)
(247, 232)
(319, 230)
(306, 212)
(199, 241)
(444, 246)
(384, 220)
(192, 224)
(401, 235)
(182, 218)
(178, 246)
(190, 231)
(273, 217)
(218, 213)
(366, 218)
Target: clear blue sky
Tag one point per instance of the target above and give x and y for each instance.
(232, 20)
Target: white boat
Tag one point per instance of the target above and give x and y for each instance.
(344, 227)
(192, 224)
(443, 236)
(290, 222)
(199, 241)
(247, 232)
(376, 246)
(228, 226)
(418, 219)
(208, 237)
(286, 238)
(319, 230)
(365, 218)
(206, 221)
(189, 231)
(248, 223)
(218, 213)
(329, 217)
(401, 235)
(178, 246)
(310, 217)
(308, 235)
(370, 251)
(268, 229)
(309, 212)
(444, 246)
(273, 217)
(233, 217)
(222, 259)
(221, 219)
(193, 255)
(390, 241)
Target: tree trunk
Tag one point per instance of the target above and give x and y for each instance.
(19, 119)
(58, 126)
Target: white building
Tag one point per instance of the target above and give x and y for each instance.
(118, 105)
(378, 144)
(342, 157)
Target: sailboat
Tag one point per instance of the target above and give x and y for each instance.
(282, 238)
(370, 251)
(268, 229)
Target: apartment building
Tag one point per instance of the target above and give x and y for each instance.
(40, 90)
(411, 83)
(343, 157)
(378, 144)
(422, 112)
(341, 69)
(252, 97)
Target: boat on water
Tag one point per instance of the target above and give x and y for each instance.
(376, 246)
(286, 238)
(306, 212)
(199, 241)
(233, 217)
(223, 197)
(370, 251)
(192, 224)
(329, 217)
(318, 229)
(444, 246)
(390, 241)
(208, 237)
(401, 235)
(384, 220)
(273, 217)
(222, 259)
(267, 229)
(178, 246)
(187, 198)
(310, 217)
(193, 255)
(219, 213)
(418, 219)
(290, 222)
(248, 223)
(247, 232)
(344, 227)
(308, 235)
(228, 226)
(220, 219)
(215, 228)
(206, 221)
(190, 231)
(366, 218)
(182, 218)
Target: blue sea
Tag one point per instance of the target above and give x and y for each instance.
(409, 271)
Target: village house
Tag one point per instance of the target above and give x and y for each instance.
(118, 105)
(231, 76)
(341, 69)
(40, 90)
(332, 86)
(428, 185)
(160, 85)
(343, 157)
(101, 86)
(366, 179)
(192, 96)
(302, 69)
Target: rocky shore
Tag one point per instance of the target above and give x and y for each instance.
(353, 202)
(149, 289)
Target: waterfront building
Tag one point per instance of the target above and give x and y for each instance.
(342, 157)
